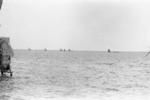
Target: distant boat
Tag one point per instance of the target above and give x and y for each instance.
(29, 49)
(60, 50)
(109, 51)
(69, 50)
(45, 49)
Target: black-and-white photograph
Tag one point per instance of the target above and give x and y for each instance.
(74, 50)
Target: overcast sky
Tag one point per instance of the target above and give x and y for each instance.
(77, 24)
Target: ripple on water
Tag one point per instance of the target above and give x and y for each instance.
(5, 97)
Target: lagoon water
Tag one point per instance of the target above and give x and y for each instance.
(77, 75)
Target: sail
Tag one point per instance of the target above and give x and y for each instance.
(1, 1)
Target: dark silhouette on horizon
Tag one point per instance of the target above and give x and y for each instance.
(69, 50)
(60, 50)
(29, 49)
(65, 50)
(45, 49)
(109, 51)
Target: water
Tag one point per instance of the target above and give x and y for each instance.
(40, 75)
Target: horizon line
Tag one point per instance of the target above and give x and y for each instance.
(87, 50)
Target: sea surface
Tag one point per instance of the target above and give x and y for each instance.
(84, 75)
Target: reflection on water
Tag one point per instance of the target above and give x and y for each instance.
(6, 87)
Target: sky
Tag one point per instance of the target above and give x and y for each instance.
(121, 25)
